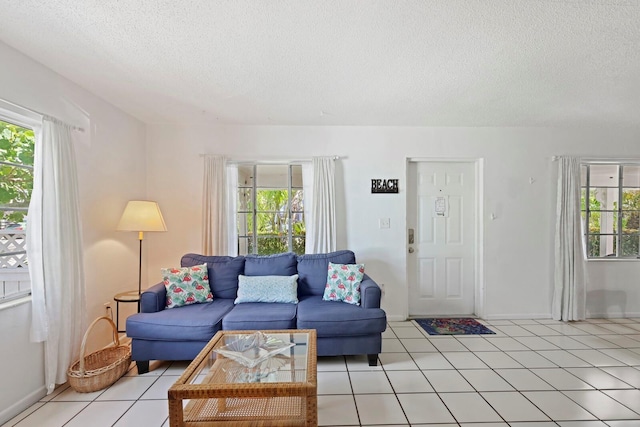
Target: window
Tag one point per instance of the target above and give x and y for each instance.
(611, 209)
(16, 182)
(270, 209)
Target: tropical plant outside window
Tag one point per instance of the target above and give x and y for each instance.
(270, 209)
(16, 182)
(611, 209)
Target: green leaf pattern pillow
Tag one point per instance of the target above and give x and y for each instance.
(186, 285)
(343, 283)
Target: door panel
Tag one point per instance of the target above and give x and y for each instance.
(442, 211)
(454, 225)
(427, 277)
(454, 277)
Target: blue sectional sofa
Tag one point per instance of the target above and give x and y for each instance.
(180, 333)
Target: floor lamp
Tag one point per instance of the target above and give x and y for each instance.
(141, 216)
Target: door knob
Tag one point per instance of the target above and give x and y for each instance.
(411, 250)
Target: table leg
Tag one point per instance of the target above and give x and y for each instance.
(118, 317)
(176, 416)
(312, 411)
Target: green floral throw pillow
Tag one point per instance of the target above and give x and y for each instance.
(186, 285)
(343, 283)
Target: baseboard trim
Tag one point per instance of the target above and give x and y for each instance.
(517, 316)
(610, 315)
(400, 318)
(396, 318)
(21, 405)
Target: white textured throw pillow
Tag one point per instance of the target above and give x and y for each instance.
(267, 289)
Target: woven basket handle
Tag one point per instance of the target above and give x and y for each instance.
(116, 339)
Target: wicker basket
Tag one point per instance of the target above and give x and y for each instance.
(102, 368)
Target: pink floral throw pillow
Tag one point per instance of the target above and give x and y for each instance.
(343, 283)
(186, 285)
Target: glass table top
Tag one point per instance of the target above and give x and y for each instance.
(254, 357)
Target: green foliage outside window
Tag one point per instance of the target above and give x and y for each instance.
(630, 237)
(630, 222)
(16, 147)
(274, 219)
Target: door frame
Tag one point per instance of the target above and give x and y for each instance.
(479, 289)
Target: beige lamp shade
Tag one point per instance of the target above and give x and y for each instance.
(141, 215)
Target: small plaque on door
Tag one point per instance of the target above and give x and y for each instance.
(441, 206)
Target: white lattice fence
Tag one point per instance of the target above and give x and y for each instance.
(13, 246)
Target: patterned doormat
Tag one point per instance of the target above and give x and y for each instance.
(453, 326)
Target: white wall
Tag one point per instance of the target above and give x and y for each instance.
(22, 367)
(111, 170)
(518, 244)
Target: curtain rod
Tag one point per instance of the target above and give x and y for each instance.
(48, 116)
(589, 159)
(279, 161)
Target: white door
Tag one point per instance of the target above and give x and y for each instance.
(442, 218)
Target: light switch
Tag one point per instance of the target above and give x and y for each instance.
(385, 222)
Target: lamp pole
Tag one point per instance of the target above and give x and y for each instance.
(140, 237)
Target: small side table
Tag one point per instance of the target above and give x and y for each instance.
(125, 297)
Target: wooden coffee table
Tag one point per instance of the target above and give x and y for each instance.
(213, 390)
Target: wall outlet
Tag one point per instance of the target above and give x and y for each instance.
(384, 222)
(107, 306)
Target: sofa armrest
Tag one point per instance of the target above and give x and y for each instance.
(370, 293)
(153, 299)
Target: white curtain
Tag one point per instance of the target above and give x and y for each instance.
(219, 233)
(321, 219)
(307, 191)
(54, 250)
(232, 209)
(569, 297)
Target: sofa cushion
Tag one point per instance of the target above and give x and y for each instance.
(334, 318)
(260, 315)
(283, 289)
(223, 272)
(196, 322)
(343, 283)
(186, 285)
(271, 265)
(312, 270)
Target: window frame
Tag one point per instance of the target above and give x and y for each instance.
(618, 234)
(19, 276)
(253, 238)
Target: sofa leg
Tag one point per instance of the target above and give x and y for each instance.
(373, 359)
(143, 366)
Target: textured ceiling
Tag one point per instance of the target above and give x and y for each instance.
(344, 62)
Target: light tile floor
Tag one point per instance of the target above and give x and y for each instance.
(531, 373)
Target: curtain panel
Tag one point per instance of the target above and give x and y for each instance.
(219, 231)
(321, 225)
(54, 250)
(307, 191)
(569, 297)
